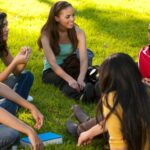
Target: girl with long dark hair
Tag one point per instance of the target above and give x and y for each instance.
(124, 105)
(14, 75)
(21, 82)
(59, 38)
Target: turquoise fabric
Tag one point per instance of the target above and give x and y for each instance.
(65, 50)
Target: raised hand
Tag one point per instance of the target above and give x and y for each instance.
(23, 56)
(25, 49)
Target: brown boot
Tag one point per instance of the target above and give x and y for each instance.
(76, 129)
(80, 115)
(87, 125)
(72, 128)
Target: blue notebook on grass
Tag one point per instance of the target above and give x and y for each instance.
(46, 138)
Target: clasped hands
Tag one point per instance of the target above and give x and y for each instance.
(23, 56)
(78, 84)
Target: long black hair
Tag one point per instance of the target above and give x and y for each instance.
(50, 28)
(120, 73)
(3, 43)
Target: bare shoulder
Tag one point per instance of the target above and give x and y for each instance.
(44, 37)
(80, 32)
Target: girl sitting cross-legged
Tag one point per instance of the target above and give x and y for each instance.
(124, 105)
(59, 38)
(14, 75)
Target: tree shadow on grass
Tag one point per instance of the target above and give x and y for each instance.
(120, 24)
(46, 2)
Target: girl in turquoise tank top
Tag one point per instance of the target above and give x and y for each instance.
(59, 38)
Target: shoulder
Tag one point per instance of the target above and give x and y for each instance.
(108, 102)
(44, 37)
(110, 98)
(80, 32)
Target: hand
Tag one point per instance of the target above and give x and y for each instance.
(146, 81)
(25, 49)
(81, 83)
(38, 117)
(22, 57)
(84, 138)
(35, 141)
(74, 84)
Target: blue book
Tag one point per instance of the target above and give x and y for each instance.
(46, 138)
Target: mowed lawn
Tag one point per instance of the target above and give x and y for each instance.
(110, 26)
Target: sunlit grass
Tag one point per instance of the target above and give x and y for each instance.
(110, 26)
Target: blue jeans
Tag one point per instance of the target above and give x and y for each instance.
(8, 136)
(23, 83)
(22, 87)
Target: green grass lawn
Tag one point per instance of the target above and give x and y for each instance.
(110, 26)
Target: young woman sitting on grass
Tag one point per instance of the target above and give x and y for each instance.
(85, 122)
(124, 104)
(59, 38)
(10, 125)
(10, 101)
(12, 74)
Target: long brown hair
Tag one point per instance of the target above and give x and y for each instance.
(50, 28)
(3, 43)
(120, 73)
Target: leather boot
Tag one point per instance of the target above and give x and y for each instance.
(87, 125)
(75, 130)
(72, 128)
(79, 114)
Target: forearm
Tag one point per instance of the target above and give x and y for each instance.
(19, 68)
(20, 60)
(9, 69)
(87, 136)
(96, 130)
(8, 93)
(61, 73)
(83, 69)
(13, 122)
(82, 53)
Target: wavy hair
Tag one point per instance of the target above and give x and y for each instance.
(3, 43)
(120, 73)
(50, 28)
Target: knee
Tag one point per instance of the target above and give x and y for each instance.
(66, 89)
(14, 134)
(70, 92)
(9, 137)
(29, 75)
